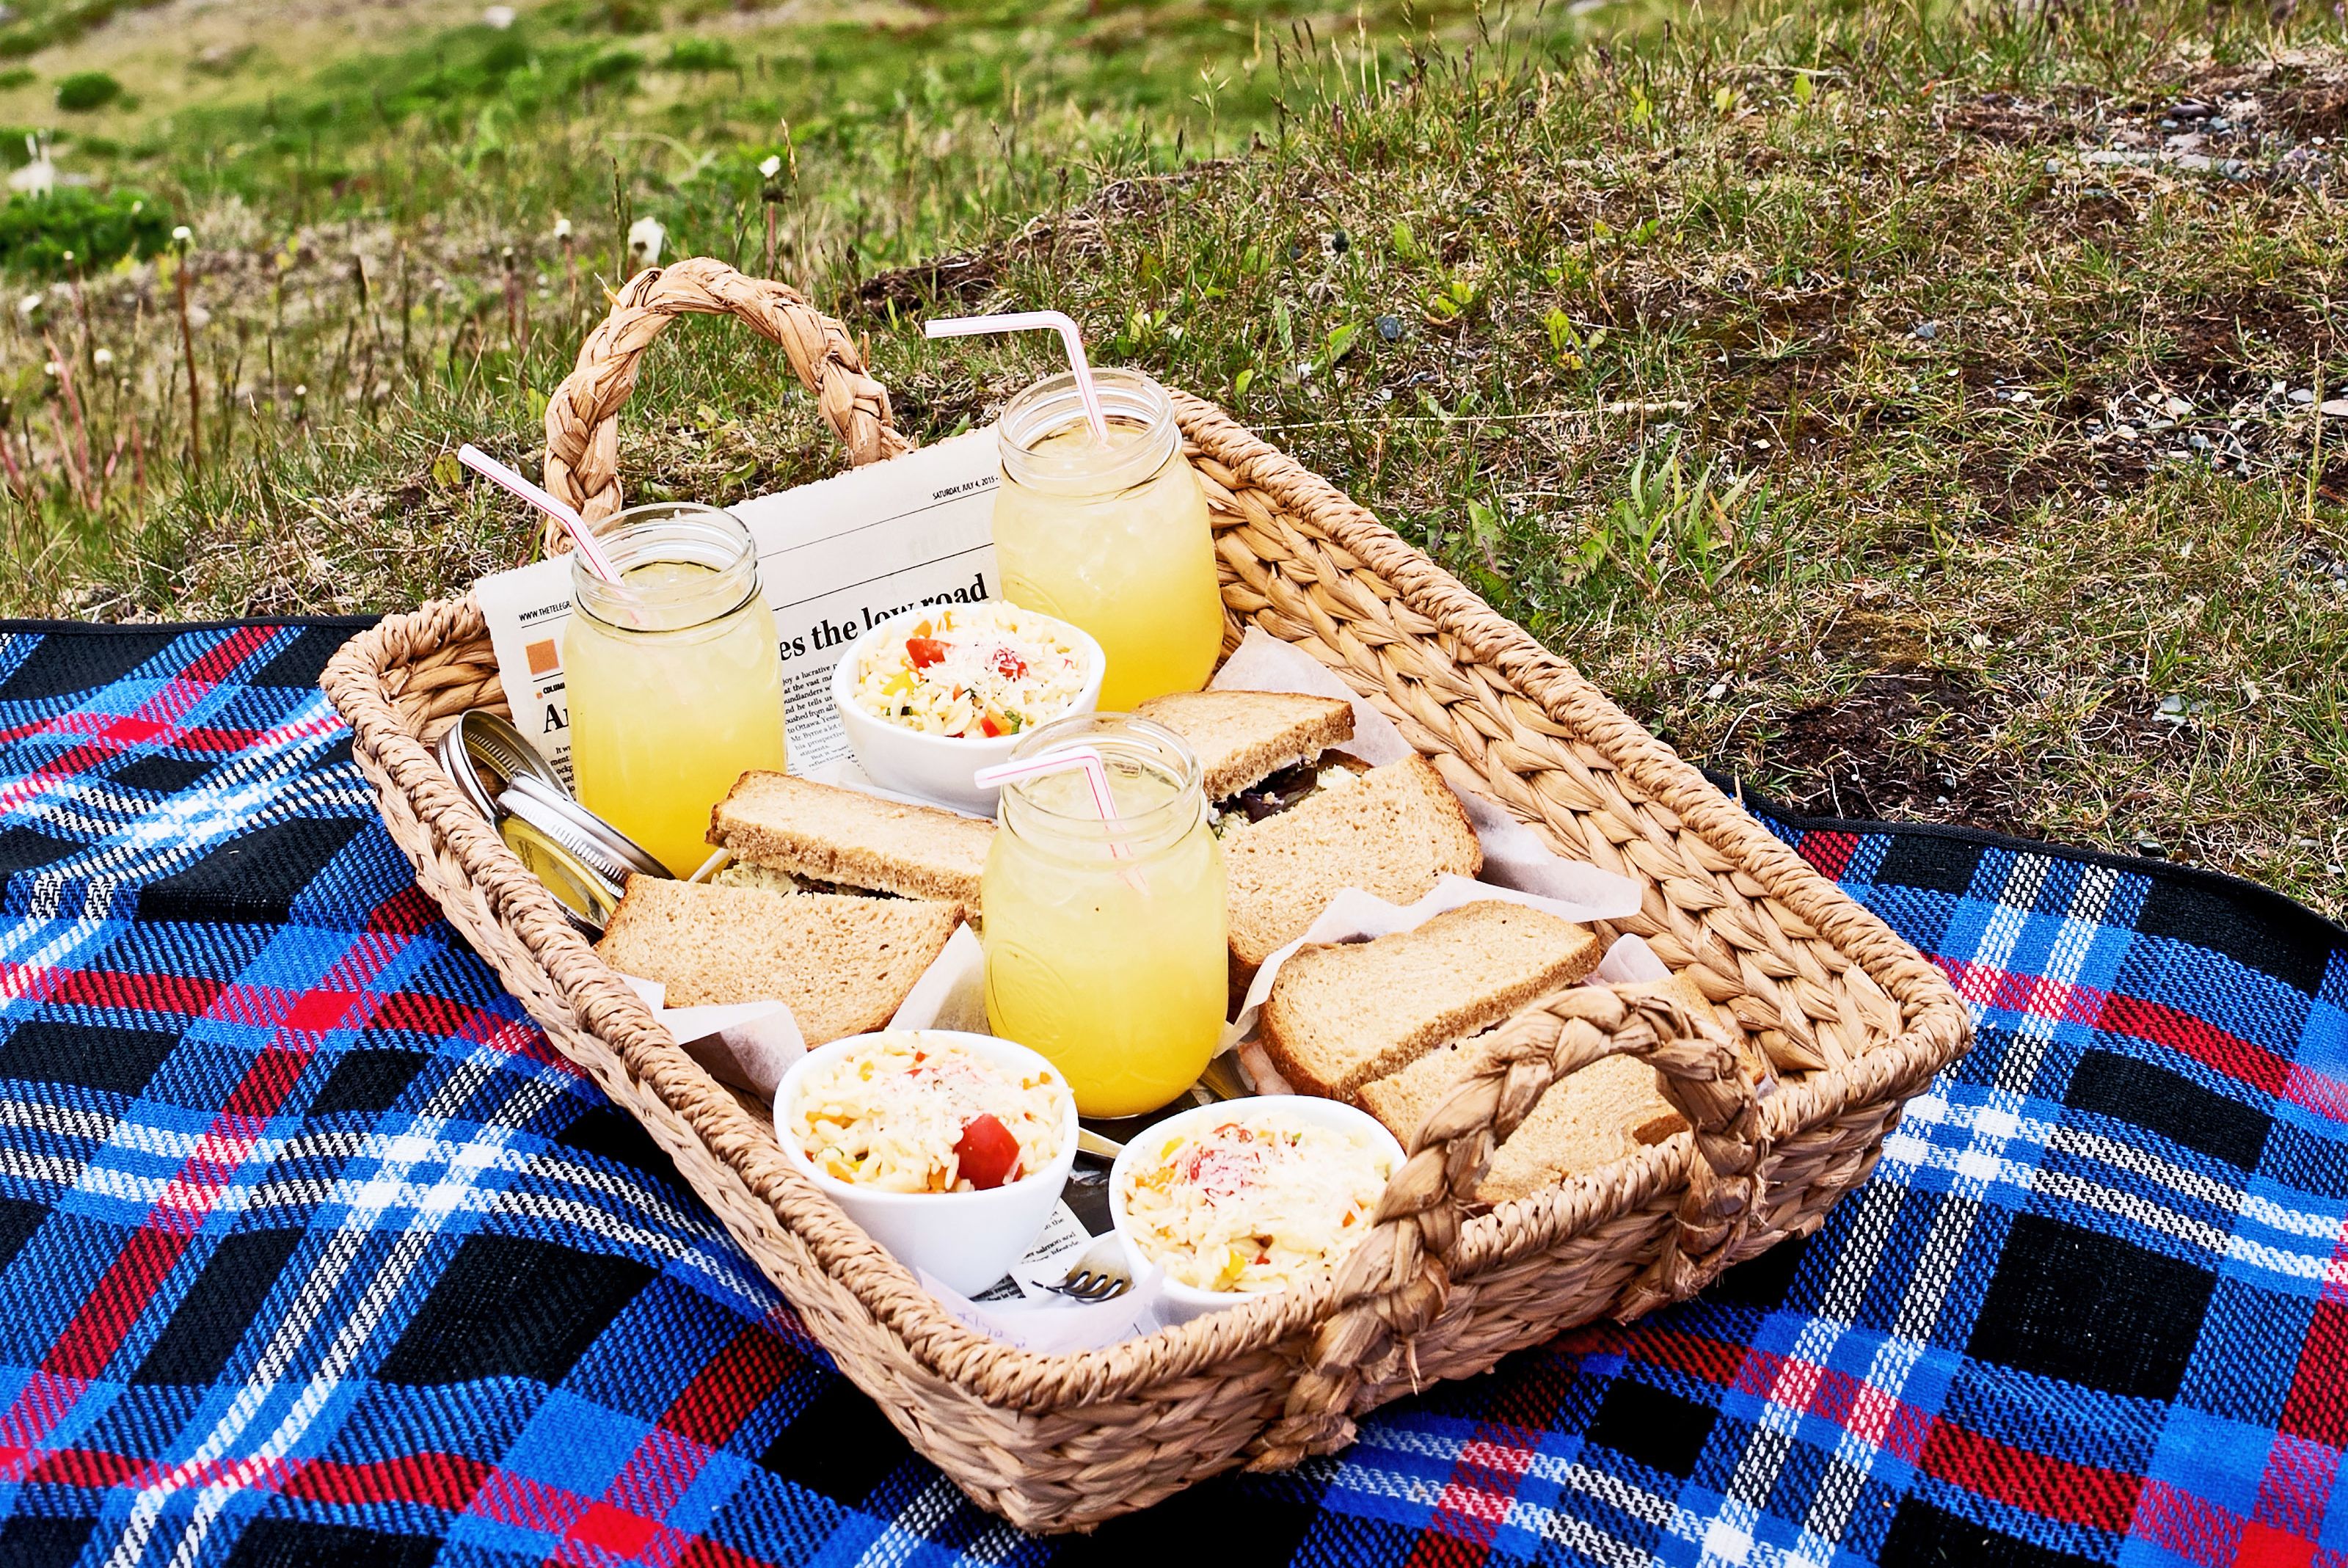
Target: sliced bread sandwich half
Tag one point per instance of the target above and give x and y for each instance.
(1242, 737)
(1340, 1015)
(1297, 825)
(1392, 831)
(851, 840)
(844, 964)
(1597, 1116)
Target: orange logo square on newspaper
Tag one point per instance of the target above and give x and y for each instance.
(541, 656)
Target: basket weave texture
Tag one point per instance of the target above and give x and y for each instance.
(1852, 1020)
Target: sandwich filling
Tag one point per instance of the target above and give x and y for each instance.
(739, 872)
(1256, 1204)
(774, 879)
(1284, 790)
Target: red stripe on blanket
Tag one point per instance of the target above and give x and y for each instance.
(735, 1382)
(2055, 1488)
(433, 1479)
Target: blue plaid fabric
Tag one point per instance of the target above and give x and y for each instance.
(312, 1251)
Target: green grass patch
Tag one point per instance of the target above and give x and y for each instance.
(72, 229)
(1914, 411)
(86, 91)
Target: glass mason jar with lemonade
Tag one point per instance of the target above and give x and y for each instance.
(1105, 942)
(1113, 536)
(673, 675)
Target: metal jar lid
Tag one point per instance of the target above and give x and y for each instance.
(485, 754)
(554, 812)
(588, 896)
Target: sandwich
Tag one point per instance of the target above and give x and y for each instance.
(844, 964)
(1342, 1016)
(795, 835)
(1609, 1109)
(1255, 748)
(1297, 825)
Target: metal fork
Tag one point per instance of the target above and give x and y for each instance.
(1100, 1274)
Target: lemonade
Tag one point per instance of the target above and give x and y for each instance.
(675, 690)
(1113, 967)
(1114, 537)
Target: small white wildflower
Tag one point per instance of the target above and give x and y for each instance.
(102, 359)
(183, 235)
(770, 167)
(645, 237)
(50, 368)
(498, 16)
(561, 230)
(29, 304)
(300, 389)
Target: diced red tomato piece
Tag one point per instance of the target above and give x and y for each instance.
(986, 1150)
(924, 651)
(1010, 665)
(986, 722)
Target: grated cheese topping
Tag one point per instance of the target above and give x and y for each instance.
(1258, 1202)
(889, 1112)
(973, 671)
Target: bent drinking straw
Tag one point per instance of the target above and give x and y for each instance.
(1028, 321)
(1061, 759)
(582, 538)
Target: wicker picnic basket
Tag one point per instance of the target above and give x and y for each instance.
(1851, 1018)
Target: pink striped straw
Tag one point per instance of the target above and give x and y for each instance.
(1030, 321)
(582, 538)
(1060, 759)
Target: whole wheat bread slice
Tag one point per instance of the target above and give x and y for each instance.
(1340, 1015)
(1594, 1118)
(1392, 833)
(844, 964)
(1242, 737)
(838, 835)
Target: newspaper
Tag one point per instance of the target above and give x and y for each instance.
(836, 558)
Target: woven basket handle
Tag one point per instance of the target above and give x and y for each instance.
(1396, 1282)
(582, 416)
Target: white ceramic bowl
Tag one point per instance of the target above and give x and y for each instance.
(938, 766)
(965, 1239)
(1183, 1301)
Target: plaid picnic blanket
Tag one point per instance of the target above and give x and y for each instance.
(312, 1251)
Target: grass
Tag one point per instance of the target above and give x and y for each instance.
(1913, 411)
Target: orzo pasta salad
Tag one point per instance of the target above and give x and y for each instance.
(968, 671)
(1257, 1202)
(911, 1112)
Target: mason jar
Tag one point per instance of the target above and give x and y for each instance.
(673, 677)
(1113, 537)
(1105, 940)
